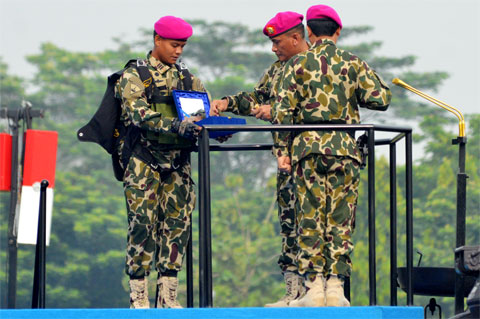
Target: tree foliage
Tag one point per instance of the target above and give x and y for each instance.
(11, 87)
(86, 255)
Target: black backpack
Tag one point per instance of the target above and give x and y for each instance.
(105, 127)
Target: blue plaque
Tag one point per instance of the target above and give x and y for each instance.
(190, 103)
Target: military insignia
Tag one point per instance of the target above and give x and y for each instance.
(270, 30)
(147, 82)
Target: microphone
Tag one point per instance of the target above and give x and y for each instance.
(458, 114)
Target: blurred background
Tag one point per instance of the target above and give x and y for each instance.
(57, 54)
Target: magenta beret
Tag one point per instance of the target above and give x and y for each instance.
(281, 23)
(321, 12)
(170, 27)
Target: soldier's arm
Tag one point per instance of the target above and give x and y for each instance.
(131, 91)
(372, 92)
(242, 103)
(283, 109)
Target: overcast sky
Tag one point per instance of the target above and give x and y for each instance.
(443, 34)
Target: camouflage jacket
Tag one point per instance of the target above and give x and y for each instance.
(264, 92)
(325, 85)
(135, 108)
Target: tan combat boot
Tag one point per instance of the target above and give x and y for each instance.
(335, 294)
(295, 288)
(315, 296)
(167, 292)
(139, 293)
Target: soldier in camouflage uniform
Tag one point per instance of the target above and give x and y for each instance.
(287, 33)
(325, 85)
(157, 183)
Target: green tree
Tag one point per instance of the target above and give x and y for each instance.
(12, 88)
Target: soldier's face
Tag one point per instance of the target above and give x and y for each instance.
(284, 46)
(168, 51)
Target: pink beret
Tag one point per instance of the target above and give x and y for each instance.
(281, 23)
(321, 12)
(170, 27)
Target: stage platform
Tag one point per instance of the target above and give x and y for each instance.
(375, 312)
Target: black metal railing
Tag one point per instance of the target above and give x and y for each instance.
(39, 279)
(205, 243)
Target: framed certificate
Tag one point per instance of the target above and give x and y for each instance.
(191, 102)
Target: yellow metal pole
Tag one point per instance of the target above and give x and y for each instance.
(458, 114)
(461, 140)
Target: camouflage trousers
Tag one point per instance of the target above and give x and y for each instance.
(326, 188)
(159, 213)
(288, 222)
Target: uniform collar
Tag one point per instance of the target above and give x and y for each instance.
(157, 64)
(323, 42)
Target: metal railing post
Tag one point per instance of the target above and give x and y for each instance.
(393, 224)
(12, 254)
(190, 267)
(409, 217)
(371, 219)
(38, 296)
(205, 246)
(460, 219)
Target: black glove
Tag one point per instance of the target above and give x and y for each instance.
(199, 113)
(186, 128)
(223, 139)
(362, 143)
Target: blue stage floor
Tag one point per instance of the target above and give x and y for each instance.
(376, 312)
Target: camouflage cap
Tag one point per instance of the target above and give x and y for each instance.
(281, 23)
(322, 12)
(170, 27)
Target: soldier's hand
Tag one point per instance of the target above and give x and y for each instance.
(284, 164)
(218, 106)
(223, 139)
(194, 118)
(263, 112)
(187, 128)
